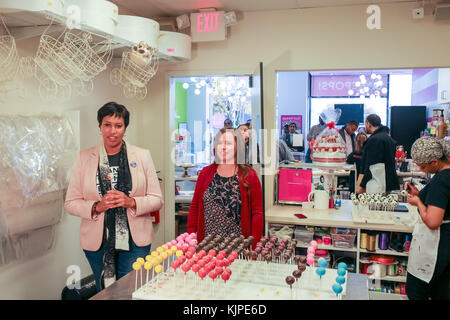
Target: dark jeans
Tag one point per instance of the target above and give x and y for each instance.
(438, 287)
(124, 261)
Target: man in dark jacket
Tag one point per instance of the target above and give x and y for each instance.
(378, 173)
(348, 135)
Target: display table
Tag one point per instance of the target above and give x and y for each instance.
(285, 214)
(357, 288)
(341, 218)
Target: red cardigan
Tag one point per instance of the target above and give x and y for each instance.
(251, 222)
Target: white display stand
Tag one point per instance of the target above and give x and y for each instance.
(342, 218)
(256, 280)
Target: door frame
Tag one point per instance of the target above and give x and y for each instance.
(169, 127)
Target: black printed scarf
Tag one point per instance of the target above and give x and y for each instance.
(116, 231)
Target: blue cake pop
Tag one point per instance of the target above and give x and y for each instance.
(337, 288)
(322, 263)
(320, 271)
(341, 272)
(340, 279)
(342, 265)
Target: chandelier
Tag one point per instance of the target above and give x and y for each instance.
(371, 87)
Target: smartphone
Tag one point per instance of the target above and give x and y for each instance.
(300, 216)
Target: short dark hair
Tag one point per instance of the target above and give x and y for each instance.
(293, 124)
(113, 108)
(353, 122)
(374, 120)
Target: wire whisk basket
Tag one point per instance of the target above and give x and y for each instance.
(9, 59)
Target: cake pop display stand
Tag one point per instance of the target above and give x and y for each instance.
(362, 214)
(250, 280)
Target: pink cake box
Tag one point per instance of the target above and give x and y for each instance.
(294, 185)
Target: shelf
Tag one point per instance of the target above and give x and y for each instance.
(183, 199)
(391, 278)
(324, 247)
(386, 252)
(302, 165)
(194, 178)
(376, 295)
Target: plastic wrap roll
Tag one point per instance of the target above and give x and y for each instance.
(39, 150)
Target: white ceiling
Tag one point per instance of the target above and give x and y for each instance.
(172, 8)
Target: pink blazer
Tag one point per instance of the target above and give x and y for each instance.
(82, 193)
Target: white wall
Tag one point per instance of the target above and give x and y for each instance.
(292, 97)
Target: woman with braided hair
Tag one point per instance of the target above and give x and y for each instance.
(429, 255)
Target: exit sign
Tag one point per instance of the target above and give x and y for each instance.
(208, 26)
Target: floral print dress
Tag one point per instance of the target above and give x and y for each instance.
(222, 206)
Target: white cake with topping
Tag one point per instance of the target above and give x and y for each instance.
(329, 150)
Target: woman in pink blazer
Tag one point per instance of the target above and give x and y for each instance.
(113, 188)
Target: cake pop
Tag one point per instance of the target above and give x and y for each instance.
(337, 288)
(297, 274)
(158, 270)
(322, 263)
(314, 244)
(320, 271)
(147, 266)
(290, 281)
(136, 266)
(340, 280)
(342, 265)
(301, 267)
(341, 272)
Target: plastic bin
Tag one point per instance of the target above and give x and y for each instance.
(343, 237)
(303, 235)
(322, 254)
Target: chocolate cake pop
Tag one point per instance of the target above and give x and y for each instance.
(297, 273)
(301, 267)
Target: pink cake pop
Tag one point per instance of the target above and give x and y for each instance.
(225, 277)
(314, 244)
(212, 253)
(311, 250)
(219, 270)
(310, 260)
(185, 268)
(212, 274)
(189, 255)
(201, 253)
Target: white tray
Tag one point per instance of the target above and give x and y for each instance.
(255, 280)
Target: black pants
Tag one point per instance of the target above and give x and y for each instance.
(438, 287)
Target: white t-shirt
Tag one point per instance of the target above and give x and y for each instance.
(348, 143)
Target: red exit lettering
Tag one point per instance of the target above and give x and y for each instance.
(207, 22)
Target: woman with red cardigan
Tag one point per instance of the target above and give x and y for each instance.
(228, 193)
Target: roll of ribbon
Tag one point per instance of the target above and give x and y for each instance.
(363, 241)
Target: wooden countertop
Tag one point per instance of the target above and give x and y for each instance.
(342, 217)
